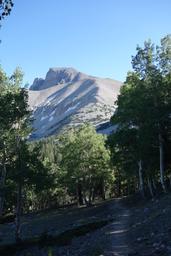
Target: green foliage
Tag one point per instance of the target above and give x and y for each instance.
(14, 120)
(79, 163)
(143, 111)
(85, 160)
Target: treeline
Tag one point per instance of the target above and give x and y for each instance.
(141, 145)
(20, 167)
(13, 129)
(82, 166)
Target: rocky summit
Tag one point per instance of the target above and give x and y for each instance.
(67, 98)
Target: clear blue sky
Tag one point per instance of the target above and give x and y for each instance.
(97, 37)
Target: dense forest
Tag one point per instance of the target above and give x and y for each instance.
(82, 166)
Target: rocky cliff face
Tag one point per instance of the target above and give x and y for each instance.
(67, 98)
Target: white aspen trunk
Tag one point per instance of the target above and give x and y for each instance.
(85, 200)
(150, 186)
(141, 183)
(161, 150)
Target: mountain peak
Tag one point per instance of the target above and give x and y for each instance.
(67, 97)
(54, 76)
(63, 69)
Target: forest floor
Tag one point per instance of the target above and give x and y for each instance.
(150, 226)
(106, 238)
(119, 227)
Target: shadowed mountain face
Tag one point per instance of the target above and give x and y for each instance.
(67, 98)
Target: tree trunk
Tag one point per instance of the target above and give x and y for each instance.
(18, 213)
(85, 198)
(150, 186)
(161, 149)
(79, 194)
(118, 186)
(102, 189)
(127, 187)
(2, 185)
(141, 183)
(154, 184)
(19, 194)
(91, 195)
(170, 180)
(103, 194)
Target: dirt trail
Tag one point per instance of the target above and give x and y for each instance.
(110, 240)
(118, 231)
